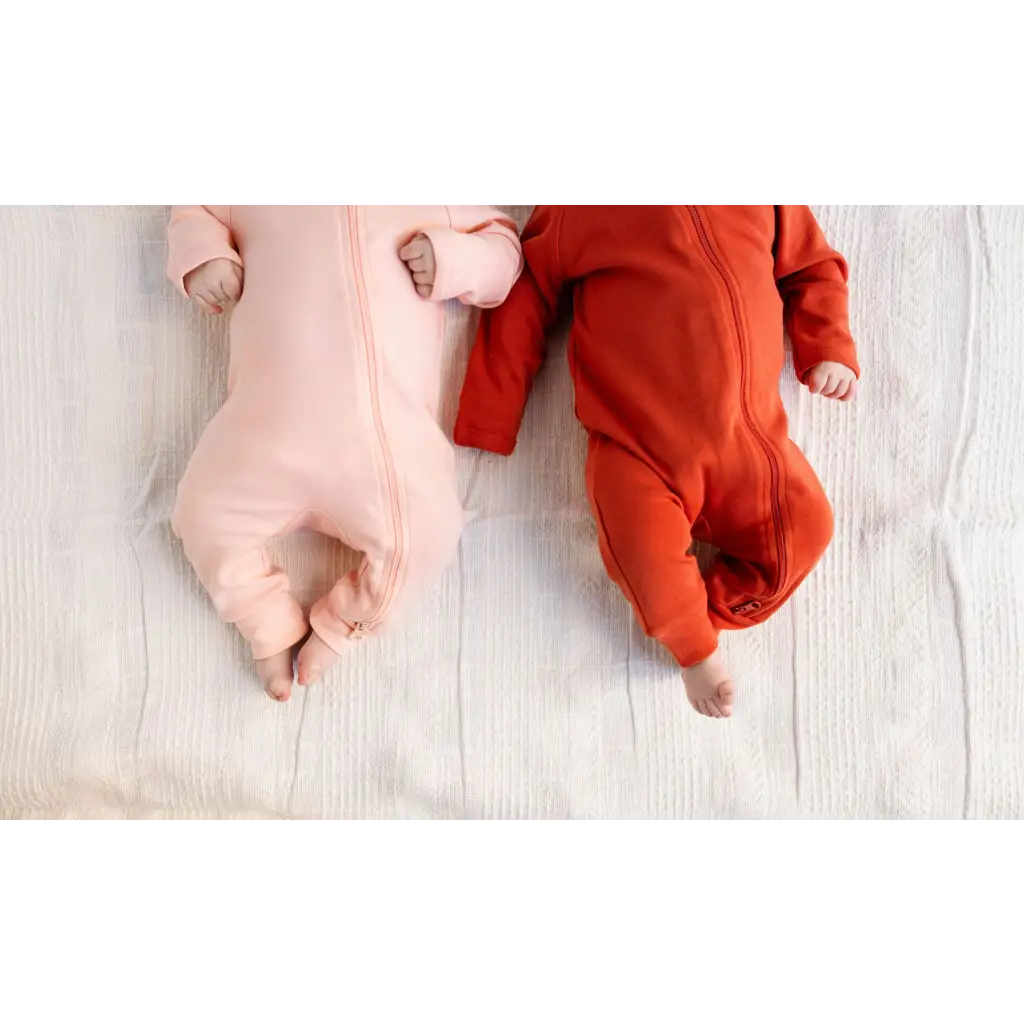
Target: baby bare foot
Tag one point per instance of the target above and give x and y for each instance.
(315, 659)
(709, 687)
(276, 675)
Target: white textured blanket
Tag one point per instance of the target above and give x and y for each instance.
(892, 686)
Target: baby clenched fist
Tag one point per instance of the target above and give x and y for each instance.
(214, 284)
(418, 256)
(833, 380)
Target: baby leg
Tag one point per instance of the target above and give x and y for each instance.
(644, 537)
(769, 540)
(404, 553)
(228, 507)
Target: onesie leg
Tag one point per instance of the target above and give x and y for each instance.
(767, 548)
(228, 506)
(404, 554)
(644, 536)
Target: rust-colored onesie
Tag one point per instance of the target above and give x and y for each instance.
(676, 351)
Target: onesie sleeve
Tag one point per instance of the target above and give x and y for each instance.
(196, 235)
(811, 278)
(478, 256)
(510, 343)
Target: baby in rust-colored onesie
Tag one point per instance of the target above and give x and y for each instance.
(676, 351)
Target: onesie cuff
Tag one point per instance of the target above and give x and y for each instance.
(690, 656)
(485, 440)
(325, 624)
(265, 643)
(692, 644)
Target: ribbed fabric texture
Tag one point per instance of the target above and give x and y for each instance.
(891, 686)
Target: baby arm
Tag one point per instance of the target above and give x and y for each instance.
(510, 342)
(202, 260)
(476, 258)
(811, 278)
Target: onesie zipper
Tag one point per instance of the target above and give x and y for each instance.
(773, 464)
(360, 628)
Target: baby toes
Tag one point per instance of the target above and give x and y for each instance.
(279, 690)
(726, 692)
(276, 674)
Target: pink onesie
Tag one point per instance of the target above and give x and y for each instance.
(331, 416)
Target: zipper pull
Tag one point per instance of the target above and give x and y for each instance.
(746, 608)
(359, 630)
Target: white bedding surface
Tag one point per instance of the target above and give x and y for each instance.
(892, 686)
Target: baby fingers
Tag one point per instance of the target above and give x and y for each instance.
(207, 302)
(816, 382)
(830, 385)
(416, 249)
(231, 284)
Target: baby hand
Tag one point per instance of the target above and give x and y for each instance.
(213, 284)
(833, 380)
(418, 256)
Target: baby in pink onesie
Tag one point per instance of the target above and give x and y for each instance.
(331, 416)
